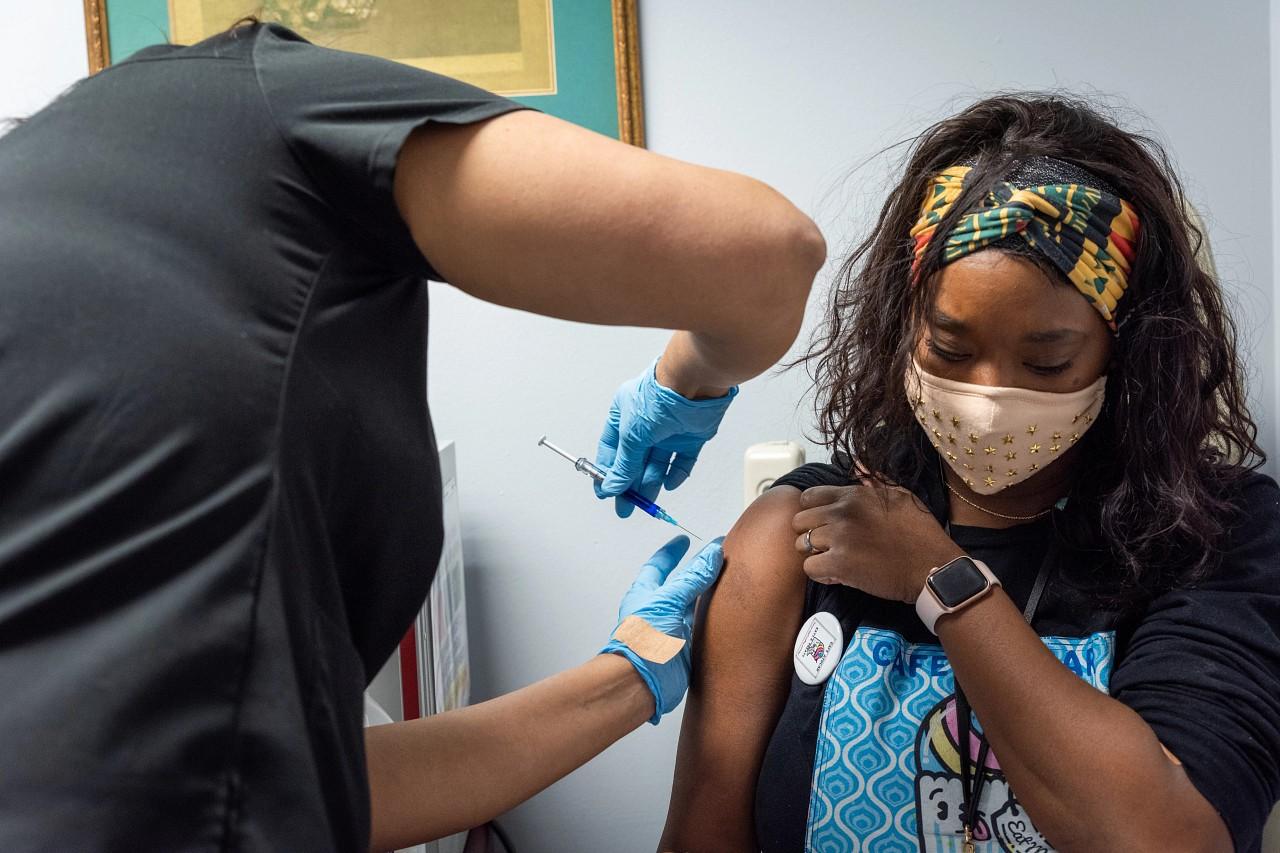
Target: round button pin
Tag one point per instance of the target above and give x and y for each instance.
(818, 647)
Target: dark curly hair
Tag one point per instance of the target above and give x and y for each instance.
(1153, 495)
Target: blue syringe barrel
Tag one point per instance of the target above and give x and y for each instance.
(640, 501)
(644, 504)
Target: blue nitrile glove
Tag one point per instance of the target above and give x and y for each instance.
(652, 438)
(655, 620)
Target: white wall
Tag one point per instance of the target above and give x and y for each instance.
(796, 98)
(42, 51)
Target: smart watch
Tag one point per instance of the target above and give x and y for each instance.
(953, 587)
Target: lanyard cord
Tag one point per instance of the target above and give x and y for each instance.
(972, 779)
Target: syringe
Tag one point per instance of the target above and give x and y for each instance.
(645, 505)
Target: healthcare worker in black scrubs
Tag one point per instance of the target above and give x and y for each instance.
(219, 495)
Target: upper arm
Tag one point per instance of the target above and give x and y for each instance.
(535, 213)
(742, 672)
(1202, 669)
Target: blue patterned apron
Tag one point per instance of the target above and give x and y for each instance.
(886, 774)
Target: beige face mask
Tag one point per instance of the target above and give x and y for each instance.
(996, 437)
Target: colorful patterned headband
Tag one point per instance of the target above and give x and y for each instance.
(1087, 233)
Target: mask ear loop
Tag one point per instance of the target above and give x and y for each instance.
(942, 472)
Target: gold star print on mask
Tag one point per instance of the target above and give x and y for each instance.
(1010, 456)
(973, 437)
(990, 482)
(989, 450)
(937, 416)
(968, 451)
(1008, 439)
(1031, 430)
(1035, 448)
(955, 422)
(1054, 448)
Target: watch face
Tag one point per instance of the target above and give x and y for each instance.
(957, 582)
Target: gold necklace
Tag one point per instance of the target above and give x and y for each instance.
(1040, 514)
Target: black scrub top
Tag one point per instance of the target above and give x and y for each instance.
(219, 487)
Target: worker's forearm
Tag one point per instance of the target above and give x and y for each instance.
(1088, 770)
(431, 777)
(700, 367)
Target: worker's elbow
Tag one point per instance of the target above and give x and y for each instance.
(801, 251)
(811, 251)
(798, 251)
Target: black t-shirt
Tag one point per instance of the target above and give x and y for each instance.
(867, 760)
(219, 486)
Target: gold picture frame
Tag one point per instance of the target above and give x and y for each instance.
(626, 58)
(629, 126)
(96, 35)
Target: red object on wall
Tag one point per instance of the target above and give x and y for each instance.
(409, 674)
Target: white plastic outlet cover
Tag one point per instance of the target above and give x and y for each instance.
(765, 462)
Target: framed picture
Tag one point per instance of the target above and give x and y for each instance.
(575, 59)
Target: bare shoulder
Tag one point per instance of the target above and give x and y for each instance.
(760, 553)
(759, 601)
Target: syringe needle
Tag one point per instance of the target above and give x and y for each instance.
(690, 532)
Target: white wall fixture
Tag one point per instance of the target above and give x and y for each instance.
(763, 463)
